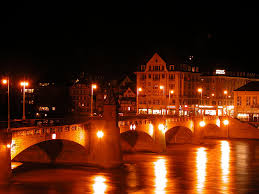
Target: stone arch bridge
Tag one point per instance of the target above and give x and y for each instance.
(95, 149)
(106, 151)
(167, 129)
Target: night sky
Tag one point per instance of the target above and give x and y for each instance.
(42, 38)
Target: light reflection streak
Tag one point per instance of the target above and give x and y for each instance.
(132, 177)
(160, 176)
(99, 185)
(201, 162)
(225, 153)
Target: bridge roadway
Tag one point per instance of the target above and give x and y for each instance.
(106, 151)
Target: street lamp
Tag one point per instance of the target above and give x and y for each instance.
(100, 134)
(200, 91)
(226, 123)
(202, 123)
(24, 84)
(93, 86)
(138, 90)
(162, 88)
(6, 81)
(170, 92)
(225, 93)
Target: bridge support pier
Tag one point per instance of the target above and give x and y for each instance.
(5, 157)
(159, 136)
(198, 132)
(105, 151)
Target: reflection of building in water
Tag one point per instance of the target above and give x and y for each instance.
(225, 159)
(160, 176)
(201, 164)
(99, 185)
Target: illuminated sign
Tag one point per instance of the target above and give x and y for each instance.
(220, 71)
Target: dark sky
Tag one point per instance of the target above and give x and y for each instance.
(53, 38)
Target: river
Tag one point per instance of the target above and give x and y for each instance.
(216, 166)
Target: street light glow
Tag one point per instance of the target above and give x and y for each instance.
(24, 83)
(140, 89)
(4, 81)
(99, 134)
(161, 127)
(202, 123)
(200, 90)
(94, 86)
(172, 91)
(226, 122)
(54, 136)
(225, 91)
(161, 87)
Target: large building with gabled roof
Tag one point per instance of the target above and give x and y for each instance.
(165, 88)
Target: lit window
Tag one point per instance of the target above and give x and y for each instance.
(53, 108)
(128, 108)
(42, 108)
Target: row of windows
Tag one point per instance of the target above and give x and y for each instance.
(79, 92)
(80, 97)
(151, 102)
(127, 108)
(170, 77)
(249, 100)
(156, 68)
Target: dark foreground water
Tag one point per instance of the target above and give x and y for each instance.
(218, 166)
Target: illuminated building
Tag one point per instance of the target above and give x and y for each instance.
(218, 87)
(80, 94)
(246, 102)
(158, 78)
(127, 102)
(127, 96)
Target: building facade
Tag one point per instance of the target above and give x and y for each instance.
(218, 91)
(246, 102)
(126, 95)
(81, 94)
(164, 88)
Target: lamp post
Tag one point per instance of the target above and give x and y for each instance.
(93, 86)
(170, 92)
(200, 91)
(226, 123)
(225, 93)
(138, 90)
(24, 84)
(6, 81)
(162, 88)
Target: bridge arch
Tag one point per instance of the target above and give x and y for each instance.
(211, 130)
(134, 140)
(23, 139)
(179, 134)
(52, 151)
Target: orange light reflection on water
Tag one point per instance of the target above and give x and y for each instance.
(160, 175)
(225, 158)
(99, 185)
(201, 164)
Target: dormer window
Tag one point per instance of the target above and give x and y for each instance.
(143, 67)
(171, 67)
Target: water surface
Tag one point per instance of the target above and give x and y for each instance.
(217, 166)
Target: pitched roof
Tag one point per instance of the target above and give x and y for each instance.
(167, 57)
(251, 86)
